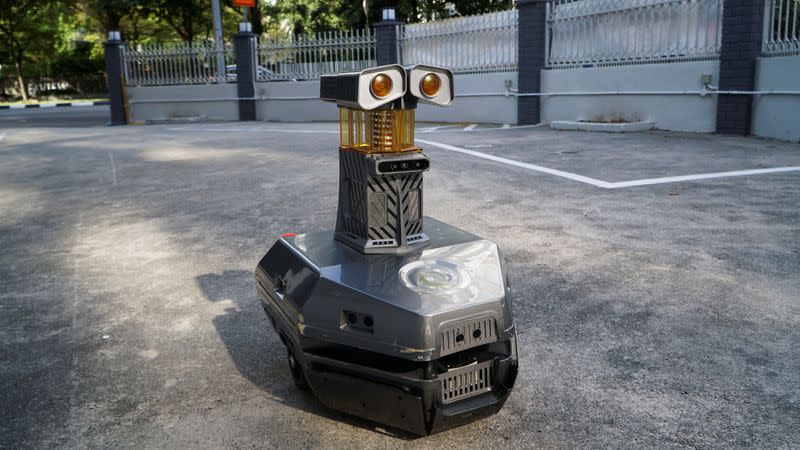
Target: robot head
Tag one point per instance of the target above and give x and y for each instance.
(376, 106)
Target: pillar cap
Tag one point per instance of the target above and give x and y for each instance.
(389, 14)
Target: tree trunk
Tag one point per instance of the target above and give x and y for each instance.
(23, 86)
(256, 19)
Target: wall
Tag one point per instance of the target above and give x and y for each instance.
(776, 116)
(305, 107)
(297, 107)
(669, 112)
(485, 109)
(172, 102)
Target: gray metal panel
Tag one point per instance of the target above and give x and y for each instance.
(412, 298)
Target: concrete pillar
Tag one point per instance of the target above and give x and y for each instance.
(532, 47)
(742, 27)
(386, 44)
(114, 77)
(244, 45)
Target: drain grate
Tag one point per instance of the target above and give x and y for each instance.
(465, 382)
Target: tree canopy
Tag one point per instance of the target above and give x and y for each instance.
(48, 38)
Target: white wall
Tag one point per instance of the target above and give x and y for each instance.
(484, 109)
(777, 116)
(295, 110)
(669, 112)
(488, 109)
(171, 102)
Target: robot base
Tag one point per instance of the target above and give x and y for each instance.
(421, 342)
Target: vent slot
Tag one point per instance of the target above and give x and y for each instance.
(466, 335)
(465, 382)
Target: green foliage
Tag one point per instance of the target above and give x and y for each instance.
(61, 38)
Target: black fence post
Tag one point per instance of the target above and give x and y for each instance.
(386, 45)
(115, 77)
(532, 46)
(244, 45)
(742, 28)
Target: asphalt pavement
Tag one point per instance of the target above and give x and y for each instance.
(663, 313)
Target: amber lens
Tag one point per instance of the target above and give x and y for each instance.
(430, 84)
(381, 85)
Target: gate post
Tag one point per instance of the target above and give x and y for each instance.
(387, 48)
(115, 77)
(244, 45)
(742, 28)
(532, 46)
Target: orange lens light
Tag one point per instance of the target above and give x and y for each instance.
(430, 84)
(381, 85)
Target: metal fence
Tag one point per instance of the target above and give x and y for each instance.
(191, 63)
(307, 57)
(611, 32)
(782, 27)
(475, 44)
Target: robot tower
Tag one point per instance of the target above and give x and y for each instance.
(380, 167)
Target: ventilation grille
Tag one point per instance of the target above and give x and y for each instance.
(465, 382)
(467, 335)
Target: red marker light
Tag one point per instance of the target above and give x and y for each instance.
(288, 235)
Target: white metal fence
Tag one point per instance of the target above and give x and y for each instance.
(191, 63)
(610, 32)
(475, 44)
(308, 57)
(782, 27)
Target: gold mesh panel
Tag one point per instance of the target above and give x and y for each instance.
(384, 131)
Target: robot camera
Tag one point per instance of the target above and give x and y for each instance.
(430, 84)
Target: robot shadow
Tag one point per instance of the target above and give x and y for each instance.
(257, 351)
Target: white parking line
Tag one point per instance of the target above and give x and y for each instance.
(471, 127)
(522, 165)
(703, 176)
(250, 130)
(607, 184)
(2, 136)
(432, 129)
(511, 162)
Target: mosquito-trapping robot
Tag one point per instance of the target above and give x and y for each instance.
(393, 317)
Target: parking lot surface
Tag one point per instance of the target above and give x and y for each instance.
(665, 314)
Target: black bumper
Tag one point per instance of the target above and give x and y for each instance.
(412, 405)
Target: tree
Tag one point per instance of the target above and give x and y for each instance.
(25, 26)
(109, 13)
(187, 18)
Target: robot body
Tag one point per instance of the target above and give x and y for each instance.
(393, 317)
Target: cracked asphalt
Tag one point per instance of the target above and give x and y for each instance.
(665, 315)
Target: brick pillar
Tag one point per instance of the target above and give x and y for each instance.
(244, 45)
(531, 45)
(114, 77)
(742, 26)
(386, 45)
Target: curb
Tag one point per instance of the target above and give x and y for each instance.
(628, 127)
(54, 105)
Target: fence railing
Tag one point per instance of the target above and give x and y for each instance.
(195, 63)
(609, 32)
(782, 27)
(306, 57)
(475, 44)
